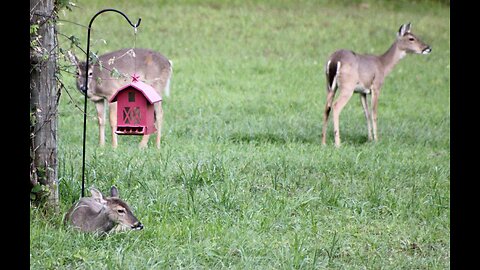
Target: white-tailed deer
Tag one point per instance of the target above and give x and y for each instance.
(114, 70)
(102, 214)
(364, 74)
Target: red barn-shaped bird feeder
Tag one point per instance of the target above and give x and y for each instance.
(135, 108)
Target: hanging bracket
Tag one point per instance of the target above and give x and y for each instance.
(86, 82)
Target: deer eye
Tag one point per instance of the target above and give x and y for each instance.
(121, 211)
(411, 39)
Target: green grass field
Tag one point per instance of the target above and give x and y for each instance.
(241, 180)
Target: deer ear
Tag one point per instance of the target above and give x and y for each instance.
(72, 57)
(405, 28)
(97, 195)
(114, 192)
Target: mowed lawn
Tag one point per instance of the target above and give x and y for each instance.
(241, 180)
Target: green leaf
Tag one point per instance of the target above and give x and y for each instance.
(36, 188)
(33, 29)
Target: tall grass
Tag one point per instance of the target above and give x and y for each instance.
(241, 180)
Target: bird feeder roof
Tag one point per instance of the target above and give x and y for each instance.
(148, 91)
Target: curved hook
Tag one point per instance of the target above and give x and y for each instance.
(111, 9)
(88, 38)
(138, 22)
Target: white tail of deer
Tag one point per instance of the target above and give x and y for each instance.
(350, 72)
(112, 71)
(102, 214)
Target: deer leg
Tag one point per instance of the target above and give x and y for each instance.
(375, 95)
(158, 119)
(112, 107)
(363, 98)
(345, 95)
(326, 114)
(144, 141)
(158, 126)
(100, 106)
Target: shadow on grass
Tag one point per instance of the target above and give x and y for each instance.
(355, 139)
(271, 138)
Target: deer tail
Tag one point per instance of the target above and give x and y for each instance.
(332, 71)
(167, 86)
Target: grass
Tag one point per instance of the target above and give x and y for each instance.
(241, 180)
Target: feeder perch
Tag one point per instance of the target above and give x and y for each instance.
(135, 108)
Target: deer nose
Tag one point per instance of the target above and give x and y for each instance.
(137, 226)
(427, 50)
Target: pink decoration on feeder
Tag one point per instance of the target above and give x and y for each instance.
(135, 77)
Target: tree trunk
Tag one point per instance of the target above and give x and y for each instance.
(44, 96)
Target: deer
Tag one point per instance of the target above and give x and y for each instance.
(115, 69)
(101, 214)
(348, 72)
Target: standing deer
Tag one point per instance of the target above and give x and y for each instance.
(114, 70)
(102, 214)
(364, 74)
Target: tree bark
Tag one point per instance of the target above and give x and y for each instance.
(44, 96)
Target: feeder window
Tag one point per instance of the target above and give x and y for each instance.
(131, 96)
(132, 115)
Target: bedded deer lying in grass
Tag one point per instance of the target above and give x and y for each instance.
(350, 72)
(102, 214)
(113, 70)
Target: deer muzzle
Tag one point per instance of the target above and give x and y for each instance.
(427, 50)
(137, 226)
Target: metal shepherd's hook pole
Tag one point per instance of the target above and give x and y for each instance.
(86, 84)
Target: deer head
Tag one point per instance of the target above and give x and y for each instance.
(80, 71)
(409, 43)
